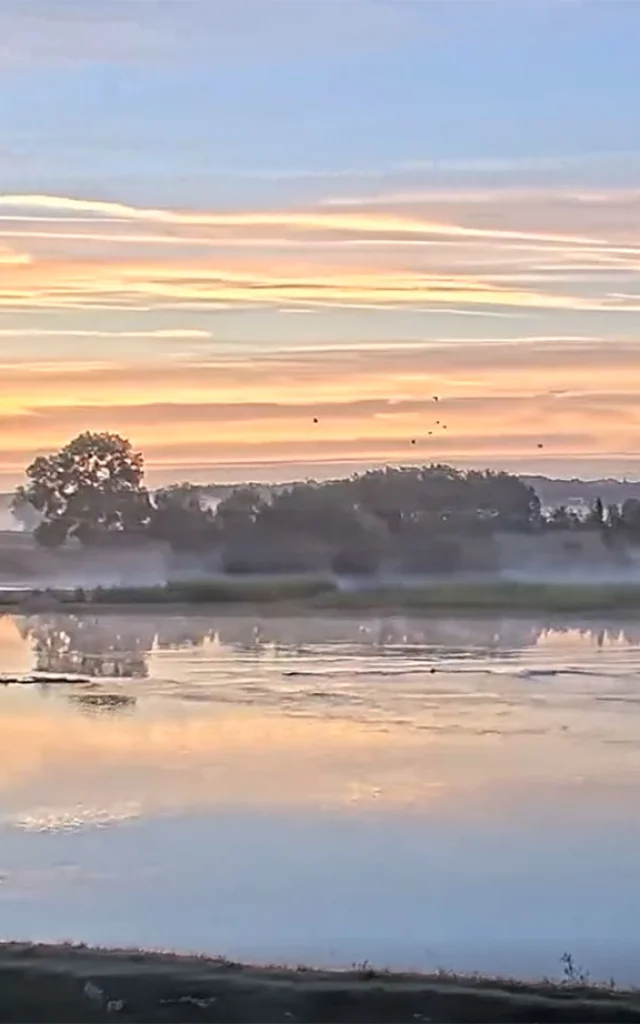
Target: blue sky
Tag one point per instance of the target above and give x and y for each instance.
(443, 178)
(383, 84)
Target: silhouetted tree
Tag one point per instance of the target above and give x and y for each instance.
(182, 518)
(561, 518)
(92, 486)
(240, 509)
(596, 515)
(630, 515)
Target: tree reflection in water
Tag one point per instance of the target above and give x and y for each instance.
(117, 646)
(99, 646)
(182, 632)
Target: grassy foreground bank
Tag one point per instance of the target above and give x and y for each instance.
(75, 983)
(313, 593)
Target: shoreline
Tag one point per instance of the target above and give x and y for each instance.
(68, 982)
(313, 596)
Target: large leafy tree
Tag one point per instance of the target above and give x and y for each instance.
(182, 517)
(631, 514)
(402, 496)
(241, 509)
(91, 487)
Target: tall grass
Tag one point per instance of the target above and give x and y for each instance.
(192, 592)
(324, 594)
(218, 591)
(498, 596)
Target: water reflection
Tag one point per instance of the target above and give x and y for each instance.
(344, 782)
(118, 646)
(87, 645)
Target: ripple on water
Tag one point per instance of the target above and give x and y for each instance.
(333, 788)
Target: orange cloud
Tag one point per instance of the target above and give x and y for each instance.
(496, 399)
(502, 252)
(116, 272)
(314, 219)
(71, 284)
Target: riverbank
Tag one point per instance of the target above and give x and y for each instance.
(75, 983)
(317, 594)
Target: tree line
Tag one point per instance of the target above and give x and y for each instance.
(93, 490)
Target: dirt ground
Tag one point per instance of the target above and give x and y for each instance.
(72, 983)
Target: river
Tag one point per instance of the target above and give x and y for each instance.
(435, 792)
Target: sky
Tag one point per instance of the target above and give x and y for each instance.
(259, 237)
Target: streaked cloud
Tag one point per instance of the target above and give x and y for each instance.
(497, 400)
(507, 254)
(321, 220)
(180, 334)
(500, 254)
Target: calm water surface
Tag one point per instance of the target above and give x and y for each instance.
(435, 792)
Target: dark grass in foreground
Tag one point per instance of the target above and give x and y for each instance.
(498, 596)
(321, 593)
(75, 983)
